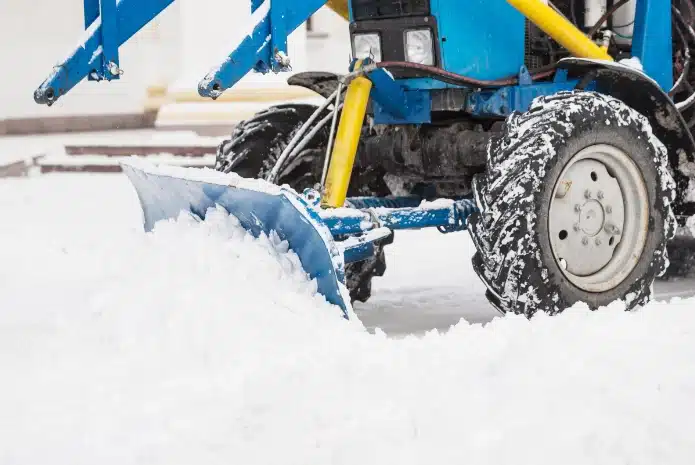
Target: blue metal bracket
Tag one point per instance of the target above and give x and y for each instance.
(393, 104)
(109, 40)
(121, 20)
(260, 49)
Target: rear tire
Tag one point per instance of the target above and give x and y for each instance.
(255, 147)
(517, 249)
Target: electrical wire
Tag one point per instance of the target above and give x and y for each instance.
(688, 102)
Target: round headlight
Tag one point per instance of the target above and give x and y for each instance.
(419, 46)
(367, 46)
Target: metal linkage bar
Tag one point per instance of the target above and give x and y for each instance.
(446, 215)
(129, 16)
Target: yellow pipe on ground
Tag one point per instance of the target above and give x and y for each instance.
(340, 7)
(346, 140)
(560, 29)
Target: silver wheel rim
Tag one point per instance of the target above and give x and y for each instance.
(598, 218)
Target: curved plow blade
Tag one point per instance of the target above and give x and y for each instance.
(260, 207)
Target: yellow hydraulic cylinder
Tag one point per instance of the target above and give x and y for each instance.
(346, 140)
(560, 29)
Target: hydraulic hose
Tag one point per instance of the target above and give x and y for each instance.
(459, 79)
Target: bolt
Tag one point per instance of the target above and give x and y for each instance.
(585, 241)
(576, 227)
(610, 228)
(609, 209)
(577, 208)
(587, 194)
(600, 195)
(597, 241)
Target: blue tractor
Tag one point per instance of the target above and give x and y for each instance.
(558, 133)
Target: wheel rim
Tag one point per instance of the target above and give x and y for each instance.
(598, 218)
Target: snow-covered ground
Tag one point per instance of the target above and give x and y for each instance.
(196, 344)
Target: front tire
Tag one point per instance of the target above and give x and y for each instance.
(545, 237)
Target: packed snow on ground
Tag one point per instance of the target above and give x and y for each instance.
(197, 344)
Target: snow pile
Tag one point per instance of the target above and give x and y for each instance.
(199, 344)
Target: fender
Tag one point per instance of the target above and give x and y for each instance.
(320, 82)
(646, 96)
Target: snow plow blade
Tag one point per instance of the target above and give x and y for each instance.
(165, 192)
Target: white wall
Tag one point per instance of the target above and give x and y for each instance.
(328, 46)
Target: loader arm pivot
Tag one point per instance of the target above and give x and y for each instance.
(109, 28)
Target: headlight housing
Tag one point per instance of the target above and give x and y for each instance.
(366, 46)
(419, 46)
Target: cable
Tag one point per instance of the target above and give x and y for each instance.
(605, 17)
(687, 103)
(686, 64)
(459, 79)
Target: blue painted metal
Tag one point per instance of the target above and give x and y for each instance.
(358, 252)
(389, 94)
(483, 39)
(384, 202)
(164, 197)
(449, 217)
(91, 12)
(652, 40)
(505, 100)
(256, 49)
(131, 16)
(109, 39)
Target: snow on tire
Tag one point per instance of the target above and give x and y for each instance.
(528, 169)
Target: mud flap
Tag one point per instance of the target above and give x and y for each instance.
(165, 192)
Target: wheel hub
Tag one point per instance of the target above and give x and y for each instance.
(597, 218)
(591, 218)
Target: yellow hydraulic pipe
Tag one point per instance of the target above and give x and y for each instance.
(560, 29)
(340, 7)
(346, 140)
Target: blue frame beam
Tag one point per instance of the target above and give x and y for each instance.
(130, 17)
(652, 42)
(258, 50)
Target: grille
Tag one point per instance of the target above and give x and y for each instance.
(377, 9)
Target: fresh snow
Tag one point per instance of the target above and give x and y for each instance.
(198, 344)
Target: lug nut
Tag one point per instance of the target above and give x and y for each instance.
(609, 209)
(610, 228)
(577, 208)
(597, 241)
(576, 227)
(599, 195)
(585, 241)
(587, 194)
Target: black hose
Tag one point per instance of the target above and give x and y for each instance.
(459, 79)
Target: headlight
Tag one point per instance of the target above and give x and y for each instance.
(367, 46)
(419, 46)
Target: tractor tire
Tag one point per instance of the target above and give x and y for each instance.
(256, 145)
(574, 190)
(681, 257)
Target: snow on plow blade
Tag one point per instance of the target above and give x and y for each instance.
(260, 207)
